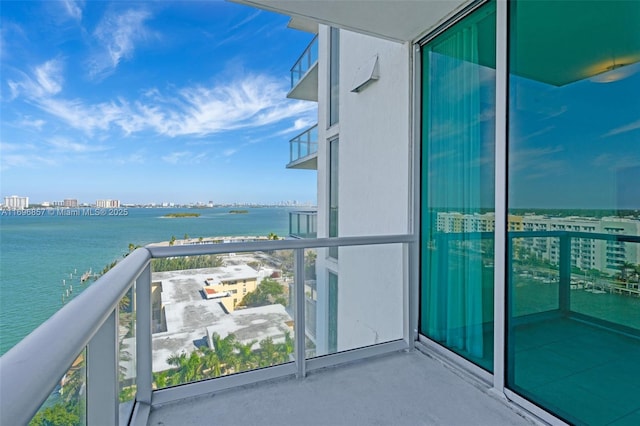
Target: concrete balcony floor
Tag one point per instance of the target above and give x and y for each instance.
(404, 388)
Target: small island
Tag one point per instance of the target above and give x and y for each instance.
(238, 211)
(174, 215)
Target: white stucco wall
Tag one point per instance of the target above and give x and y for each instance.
(374, 132)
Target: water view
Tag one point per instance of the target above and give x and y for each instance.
(43, 258)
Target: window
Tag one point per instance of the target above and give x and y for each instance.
(334, 76)
(333, 193)
(333, 313)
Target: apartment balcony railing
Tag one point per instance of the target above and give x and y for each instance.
(303, 224)
(303, 150)
(118, 349)
(304, 74)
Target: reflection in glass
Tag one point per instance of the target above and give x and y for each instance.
(334, 190)
(458, 107)
(574, 168)
(67, 404)
(127, 351)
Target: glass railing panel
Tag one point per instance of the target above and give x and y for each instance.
(67, 403)
(127, 352)
(534, 275)
(310, 300)
(218, 315)
(304, 144)
(308, 58)
(303, 224)
(358, 305)
(608, 291)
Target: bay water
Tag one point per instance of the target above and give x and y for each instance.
(42, 257)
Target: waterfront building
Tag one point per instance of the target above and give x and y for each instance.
(71, 203)
(15, 202)
(586, 253)
(108, 203)
(463, 107)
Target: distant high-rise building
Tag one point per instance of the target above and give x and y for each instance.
(70, 202)
(104, 204)
(15, 202)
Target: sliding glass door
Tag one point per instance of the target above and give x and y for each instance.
(458, 100)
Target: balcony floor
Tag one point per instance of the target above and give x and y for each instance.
(405, 388)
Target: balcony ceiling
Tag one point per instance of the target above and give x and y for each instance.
(578, 41)
(399, 20)
(581, 40)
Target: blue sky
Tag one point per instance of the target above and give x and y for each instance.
(149, 102)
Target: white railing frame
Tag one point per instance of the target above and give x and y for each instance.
(300, 68)
(27, 377)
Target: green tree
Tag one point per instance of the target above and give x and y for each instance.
(172, 241)
(188, 368)
(57, 415)
(268, 292)
(211, 366)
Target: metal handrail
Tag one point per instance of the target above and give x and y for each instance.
(27, 379)
(203, 249)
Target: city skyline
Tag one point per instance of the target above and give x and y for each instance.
(150, 102)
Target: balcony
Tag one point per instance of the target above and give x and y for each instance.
(175, 322)
(147, 334)
(304, 74)
(303, 150)
(303, 224)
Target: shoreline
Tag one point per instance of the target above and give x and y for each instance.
(210, 240)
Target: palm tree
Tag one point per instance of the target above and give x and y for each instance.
(160, 379)
(247, 358)
(211, 366)
(268, 353)
(224, 349)
(189, 368)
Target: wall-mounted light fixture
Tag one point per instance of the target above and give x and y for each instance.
(366, 74)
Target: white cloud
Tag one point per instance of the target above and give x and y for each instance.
(247, 102)
(45, 80)
(49, 76)
(73, 8)
(34, 123)
(24, 155)
(118, 35)
(68, 146)
(184, 157)
(299, 124)
(538, 162)
(635, 125)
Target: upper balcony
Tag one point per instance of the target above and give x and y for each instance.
(303, 150)
(304, 74)
(303, 224)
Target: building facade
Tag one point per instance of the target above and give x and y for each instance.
(107, 204)
(15, 202)
(445, 122)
